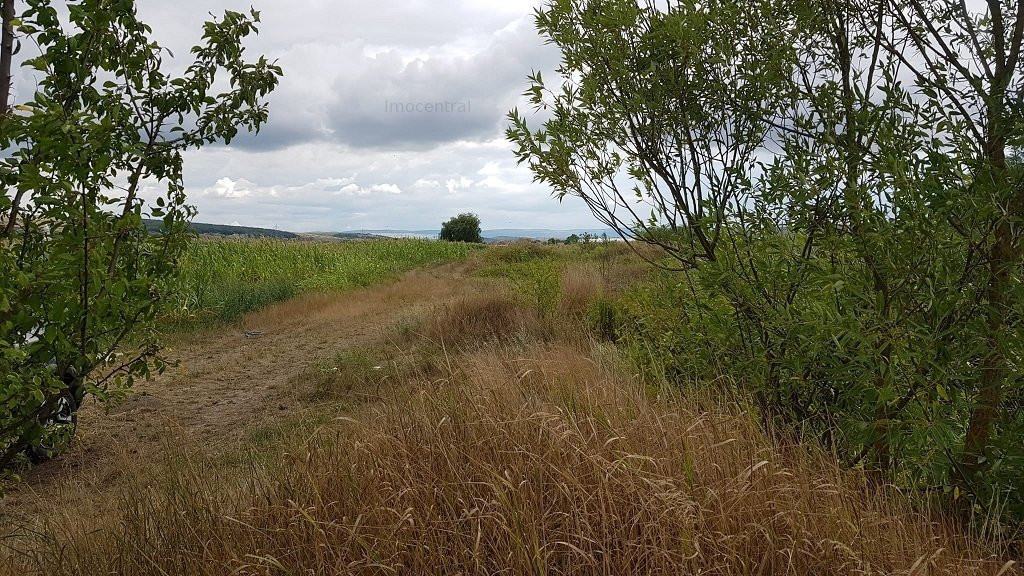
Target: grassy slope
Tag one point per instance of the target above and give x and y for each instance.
(496, 435)
(225, 230)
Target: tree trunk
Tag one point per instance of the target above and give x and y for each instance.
(6, 55)
(1004, 258)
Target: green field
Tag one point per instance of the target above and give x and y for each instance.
(223, 279)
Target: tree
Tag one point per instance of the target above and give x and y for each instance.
(462, 228)
(970, 67)
(832, 178)
(82, 280)
(640, 130)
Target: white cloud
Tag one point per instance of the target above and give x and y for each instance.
(454, 185)
(228, 188)
(388, 188)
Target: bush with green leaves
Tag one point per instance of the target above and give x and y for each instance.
(81, 278)
(462, 228)
(534, 271)
(834, 184)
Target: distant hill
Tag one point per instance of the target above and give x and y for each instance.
(225, 230)
(358, 236)
(503, 234)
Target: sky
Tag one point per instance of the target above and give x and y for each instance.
(349, 144)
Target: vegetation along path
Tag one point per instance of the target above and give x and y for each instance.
(459, 419)
(228, 383)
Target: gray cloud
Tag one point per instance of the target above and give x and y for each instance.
(335, 157)
(364, 95)
(429, 100)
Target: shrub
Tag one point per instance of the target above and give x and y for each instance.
(603, 318)
(864, 271)
(479, 319)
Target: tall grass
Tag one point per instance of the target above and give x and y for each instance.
(543, 459)
(223, 279)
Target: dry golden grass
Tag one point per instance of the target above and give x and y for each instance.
(581, 284)
(493, 316)
(529, 452)
(543, 460)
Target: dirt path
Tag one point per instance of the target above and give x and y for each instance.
(228, 382)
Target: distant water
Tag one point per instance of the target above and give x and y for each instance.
(400, 234)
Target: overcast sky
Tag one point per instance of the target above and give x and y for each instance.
(335, 157)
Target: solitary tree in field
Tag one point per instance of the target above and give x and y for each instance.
(462, 228)
(81, 279)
